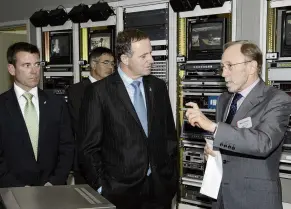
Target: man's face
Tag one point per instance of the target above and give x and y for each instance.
(236, 69)
(26, 71)
(141, 60)
(103, 66)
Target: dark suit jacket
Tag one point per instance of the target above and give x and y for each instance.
(251, 155)
(115, 152)
(75, 96)
(18, 166)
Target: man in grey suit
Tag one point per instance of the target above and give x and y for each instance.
(251, 119)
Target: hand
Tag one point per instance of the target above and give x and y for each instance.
(197, 118)
(208, 151)
(48, 184)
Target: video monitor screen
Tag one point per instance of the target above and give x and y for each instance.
(286, 34)
(287, 31)
(100, 40)
(206, 36)
(60, 48)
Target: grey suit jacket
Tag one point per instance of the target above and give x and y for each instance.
(251, 155)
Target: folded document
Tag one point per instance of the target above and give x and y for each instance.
(213, 174)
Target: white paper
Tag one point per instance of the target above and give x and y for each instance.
(245, 123)
(213, 174)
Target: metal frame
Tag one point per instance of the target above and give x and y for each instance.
(226, 8)
(263, 38)
(280, 3)
(172, 66)
(76, 54)
(146, 8)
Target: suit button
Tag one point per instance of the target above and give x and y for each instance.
(225, 145)
(221, 144)
(233, 148)
(224, 161)
(229, 147)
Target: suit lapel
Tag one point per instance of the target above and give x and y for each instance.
(252, 100)
(223, 107)
(149, 101)
(124, 97)
(43, 117)
(14, 110)
(18, 119)
(86, 82)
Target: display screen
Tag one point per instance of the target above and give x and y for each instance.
(100, 40)
(206, 36)
(60, 48)
(288, 30)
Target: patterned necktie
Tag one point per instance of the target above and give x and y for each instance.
(233, 108)
(31, 121)
(139, 106)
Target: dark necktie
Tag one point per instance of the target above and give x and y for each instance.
(233, 108)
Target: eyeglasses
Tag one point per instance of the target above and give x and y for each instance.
(229, 66)
(106, 62)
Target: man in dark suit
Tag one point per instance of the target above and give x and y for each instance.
(252, 119)
(101, 64)
(36, 140)
(128, 139)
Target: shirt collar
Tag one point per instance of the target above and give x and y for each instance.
(126, 79)
(247, 90)
(92, 79)
(19, 91)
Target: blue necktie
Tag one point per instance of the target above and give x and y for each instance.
(233, 108)
(139, 106)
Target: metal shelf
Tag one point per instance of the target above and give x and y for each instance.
(52, 74)
(159, 43)
(67, 26)
(226, 8)
(85, 73)
(202, 61)
(280, 3)
(110, 21)
(279, 74)
(159, 53)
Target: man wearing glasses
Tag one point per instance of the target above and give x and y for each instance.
(251, 119)
(101, 64)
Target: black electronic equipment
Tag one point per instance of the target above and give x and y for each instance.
(60, 47)
(206, 37)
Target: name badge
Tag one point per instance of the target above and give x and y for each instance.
(245, 123)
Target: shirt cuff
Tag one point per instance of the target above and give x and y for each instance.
(215, 130)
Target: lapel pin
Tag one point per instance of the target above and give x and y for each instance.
(44, 102)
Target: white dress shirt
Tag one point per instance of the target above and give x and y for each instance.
(244, 94)
(130, 89)
(92, 79)
(22, 101)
